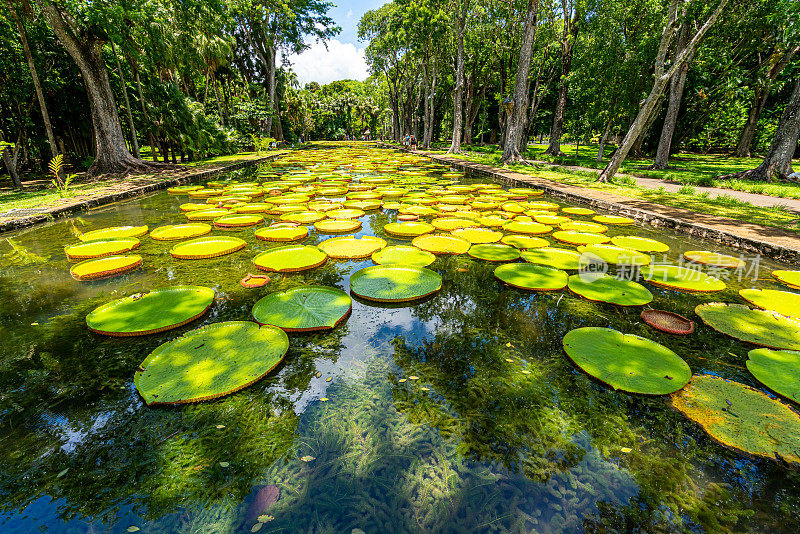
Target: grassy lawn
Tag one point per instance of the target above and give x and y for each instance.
(686, 168)
(49, 197)
(687, 197)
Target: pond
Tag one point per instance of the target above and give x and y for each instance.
(459, 412)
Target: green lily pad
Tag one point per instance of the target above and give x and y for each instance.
(114, 232)
(523, 227)
(790, 278)
(531, 277)
(524, 241)
(580, 238)
(779, 370)
(759, 327)
(290, 258)
(408, 229)
(207, 214)
(614, 255)
(477, 236)
(782, 302)
(741, 417)
(558, 258)
(102, 247)
(156, 311)
(441, 244)
(682, 278)
(303, 309)
(601, 287)
(403, 255)
(209, 362)
(582, 226)
(642, 244)
(612, 219)
(282, 234)
(207, 247)
(105, 267)
(238, 220)
(626, 362)
(394, 283)
(493, 252)
(706, 257)
(337, 226)
(171, 232)
(351, 247)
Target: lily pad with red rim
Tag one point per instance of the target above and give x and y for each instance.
(351, 247)
(403, 255)
(207, 247)
(105, 267)
(759, 327)
(531, 277)
(493, 252)
(88, 250)
(290, 258)
(394, 283)
(303, 309)
(601, 287)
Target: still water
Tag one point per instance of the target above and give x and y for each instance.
(459, 413)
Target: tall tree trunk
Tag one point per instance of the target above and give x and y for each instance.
(676, 86)
(219, 102)
(10, 156)
(151, 139)
(660, 82)
(568, 38)
(48, 126)
(777, 164)
(604, 139)
(516, 120)
(458, 90)
(429, 107)
(112, 155)
(134, 140)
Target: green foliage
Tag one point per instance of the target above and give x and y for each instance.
(60, 183)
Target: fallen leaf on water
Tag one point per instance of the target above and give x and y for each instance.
(402, 380)
(509, 360)
(329, 379)
(425, 389)
(318, 374)
(220, 426)
(526, 372)
(324, 399)
(413, 377)
(133, 529)
(34, 324)
(307, 458)
(256, 527)
(62, 472)
(266, 518)
(461, 270)
(357, 531)
(224, 464)
(626, 449)
(509, 345)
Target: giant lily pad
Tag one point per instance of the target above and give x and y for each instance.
(351, 247)
(779, 370)
(601, 287)
(531, 277)
(448, 224)
(207, 214)
(478, 236)
(114, 232)
(706, 257)
(759, 327)
(209, 362)
(408, 229)
(105, 267)
(557, 258)
(781, 302)
(580, 238)
(626, 362)
(290, 258)
(741, 417)
(304, 217)
(642, 244)
(612, 219)
(102, 247)
(615, 255)
(524, 241)
(207, 247)
(790, 278)
(582, 226)
(171, 232)
(282, 234)
(524, 227)
(441, 244)
(493, 252)
(337, 226)
(303, 309)
(156, 311)
(394, 283)
(238, 220)
(682, 278)
(403, 255)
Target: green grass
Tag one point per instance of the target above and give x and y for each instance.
(723, 205)
(701, 170)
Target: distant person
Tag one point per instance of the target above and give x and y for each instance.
(413, 142)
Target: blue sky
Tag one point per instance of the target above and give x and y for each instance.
(345, 55)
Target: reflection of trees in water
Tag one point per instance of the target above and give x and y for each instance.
(526, 413)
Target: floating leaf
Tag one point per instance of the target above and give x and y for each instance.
(256, 527)
(238, 220)
(582, 226)
(224, 464)
(580, 238)
(578, 211)
(668, 322)
(390, 283)
(642, 244)
(206, 214)
(601, 287)
(760, 327)
(171, 232)
(524, 241)
(557, 258)
(781, 302)
(290, 258)
(531, 277)
(351, 247)
(114, 232)
(625, 361)
(614, 255)
(102, 247)
(303, 309)
(307, 458)
(779, 370)
(790, 278)
(282, 234)
(682, 278)
(105, 267)
(706, 257)
(133, 529)
(207, 247)
(441, 244)
(337, 226)
(523, 227)
(62, 472)
(403, 255)
(447, 224)
(612, 219)
(494, 252)
(304, 217)
(209, 362)
(478, 236)
(741, 417)
(156, 311)
(408, 229)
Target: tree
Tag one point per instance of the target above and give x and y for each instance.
(662, 77)
(572, 14)
(519, 112)
(777, 164)
(459, 23)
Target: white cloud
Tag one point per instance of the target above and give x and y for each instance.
(340, 61)
(349, 13)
